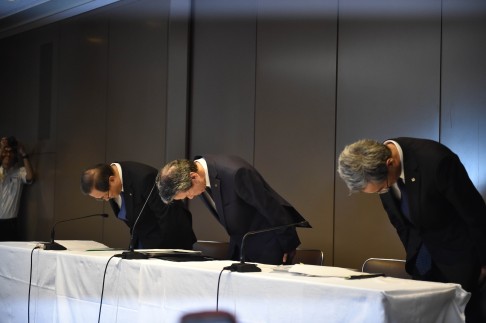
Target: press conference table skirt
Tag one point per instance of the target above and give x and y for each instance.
(66, 286)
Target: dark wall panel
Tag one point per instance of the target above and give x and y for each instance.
(178, 68)
(137, 87)
(82, 120)
(137, 82)
(295, 109)
(8, 84)
(463, 117)
(223, 89)
(24, 114)
(106, 72)
(388, 85)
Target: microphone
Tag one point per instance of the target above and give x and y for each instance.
(131, 253)
(243, 267)
(56, 246)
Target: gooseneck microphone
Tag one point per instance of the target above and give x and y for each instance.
(243, 267)
(56, 246)
(131, 253)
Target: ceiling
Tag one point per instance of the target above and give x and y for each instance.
(21, 15)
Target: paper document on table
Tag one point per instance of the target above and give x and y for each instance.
(323, 271)
(81, 245)
(161, 252)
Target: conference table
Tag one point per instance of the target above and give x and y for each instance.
(67, 286)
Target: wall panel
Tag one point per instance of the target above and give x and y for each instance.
(22, 82)
(223, 89)
(137, 88)
(137, 82)
(463, 117)
(388, 85)
(82, 120)
(295, 109)
(178, 69)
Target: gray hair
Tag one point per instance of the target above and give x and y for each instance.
(175, 177)
(363, 162)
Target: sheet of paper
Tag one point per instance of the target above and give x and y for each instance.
(323, 271)
(81, 245)
(168, 251)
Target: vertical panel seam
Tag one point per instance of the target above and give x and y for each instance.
(189, 75)
(335, 137)
(255, 82)
(441, 49)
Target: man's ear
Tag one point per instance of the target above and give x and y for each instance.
(111, 179)
(194, 175)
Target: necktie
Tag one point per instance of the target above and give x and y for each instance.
(209, 196)
(404, 199)
(423, 262)
(122, 215)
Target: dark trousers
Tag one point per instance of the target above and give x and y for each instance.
(476, 307)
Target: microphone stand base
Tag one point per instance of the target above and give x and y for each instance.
(133, 255)
(242, 267)
(53, 246)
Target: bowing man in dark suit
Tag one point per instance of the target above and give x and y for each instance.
(130, 187)
(430, 200)
(240, 199)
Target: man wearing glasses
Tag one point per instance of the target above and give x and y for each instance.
(439, 215)
(129, 187)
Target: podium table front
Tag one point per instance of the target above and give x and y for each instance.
(66, 286)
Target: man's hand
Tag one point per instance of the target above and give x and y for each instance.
(21, 150)
(288, 257)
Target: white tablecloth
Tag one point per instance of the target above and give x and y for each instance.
(67, 286)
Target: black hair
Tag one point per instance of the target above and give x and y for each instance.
(96, 177)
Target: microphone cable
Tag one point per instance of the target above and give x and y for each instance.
(217, 290)
(103, 286)
(30, 283)
(131, 253)
(141, 210)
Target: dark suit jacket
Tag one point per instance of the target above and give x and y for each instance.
(448, 213)
(159, 225)
(245, 202)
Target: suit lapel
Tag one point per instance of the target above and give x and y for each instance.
(216, 191)
(392, 205)
(412, 184)
(204, 197)
(128, 196)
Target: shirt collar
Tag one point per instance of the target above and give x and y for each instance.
(118, 167)
(400, 152)
(204, 165)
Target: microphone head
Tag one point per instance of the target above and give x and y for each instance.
(105, 215)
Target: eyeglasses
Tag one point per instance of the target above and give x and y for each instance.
(386, 188)
(105, 197)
